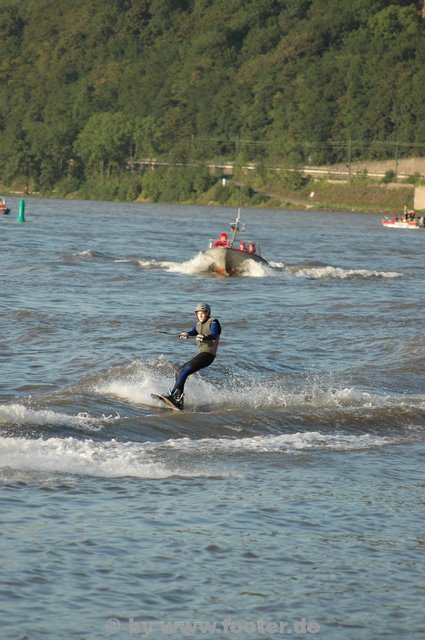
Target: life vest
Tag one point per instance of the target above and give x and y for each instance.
(209, 345)
(223, 241)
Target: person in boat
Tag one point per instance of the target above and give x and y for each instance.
(207, 331)
(248, 247)
(223, 241)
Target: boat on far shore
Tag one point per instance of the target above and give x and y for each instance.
(230, 260)
(405, 221)
(4, 209)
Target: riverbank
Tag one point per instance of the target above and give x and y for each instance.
(328, 195)
(280, 192)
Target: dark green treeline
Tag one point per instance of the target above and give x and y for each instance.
(88, 87)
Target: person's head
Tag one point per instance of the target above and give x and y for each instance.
(223, 236)
(202, 311)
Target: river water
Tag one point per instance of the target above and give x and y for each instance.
(287, 499)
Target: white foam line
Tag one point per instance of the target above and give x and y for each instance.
(19, 414)
(281, 443)
(110, 459)
(339, 273)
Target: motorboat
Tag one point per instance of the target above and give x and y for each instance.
(404, 222)
(230, 257)
(4, 209)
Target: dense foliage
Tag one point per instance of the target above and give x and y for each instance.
(89, 88)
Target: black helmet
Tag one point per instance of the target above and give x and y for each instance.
(203, 306)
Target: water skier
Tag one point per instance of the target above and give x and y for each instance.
(207, 331)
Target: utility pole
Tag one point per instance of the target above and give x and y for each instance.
(349, 158)
(396, 157)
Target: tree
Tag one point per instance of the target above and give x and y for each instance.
(149, 137)
(105, 140)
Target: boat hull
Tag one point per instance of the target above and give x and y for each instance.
(400, 224)
(228, 261)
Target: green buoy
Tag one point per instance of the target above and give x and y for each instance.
(21, 216)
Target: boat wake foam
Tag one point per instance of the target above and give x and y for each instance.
(202, 264)
(50, 458)
(21, 415)
(110, 459)
(315, 399)
(199, 264)
(328, 272)
(244, 414)
(285, 443)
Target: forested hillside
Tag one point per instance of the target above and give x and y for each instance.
(88, 86)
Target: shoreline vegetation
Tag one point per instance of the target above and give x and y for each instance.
(299, 189)
(159, 101)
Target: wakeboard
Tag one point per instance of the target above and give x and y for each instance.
(165, 401)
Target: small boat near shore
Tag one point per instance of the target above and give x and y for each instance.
(4, 209)
(404, 223)
(228, 259)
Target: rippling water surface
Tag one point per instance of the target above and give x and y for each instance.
(285, 500)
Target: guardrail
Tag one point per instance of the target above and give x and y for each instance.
(228, 168)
